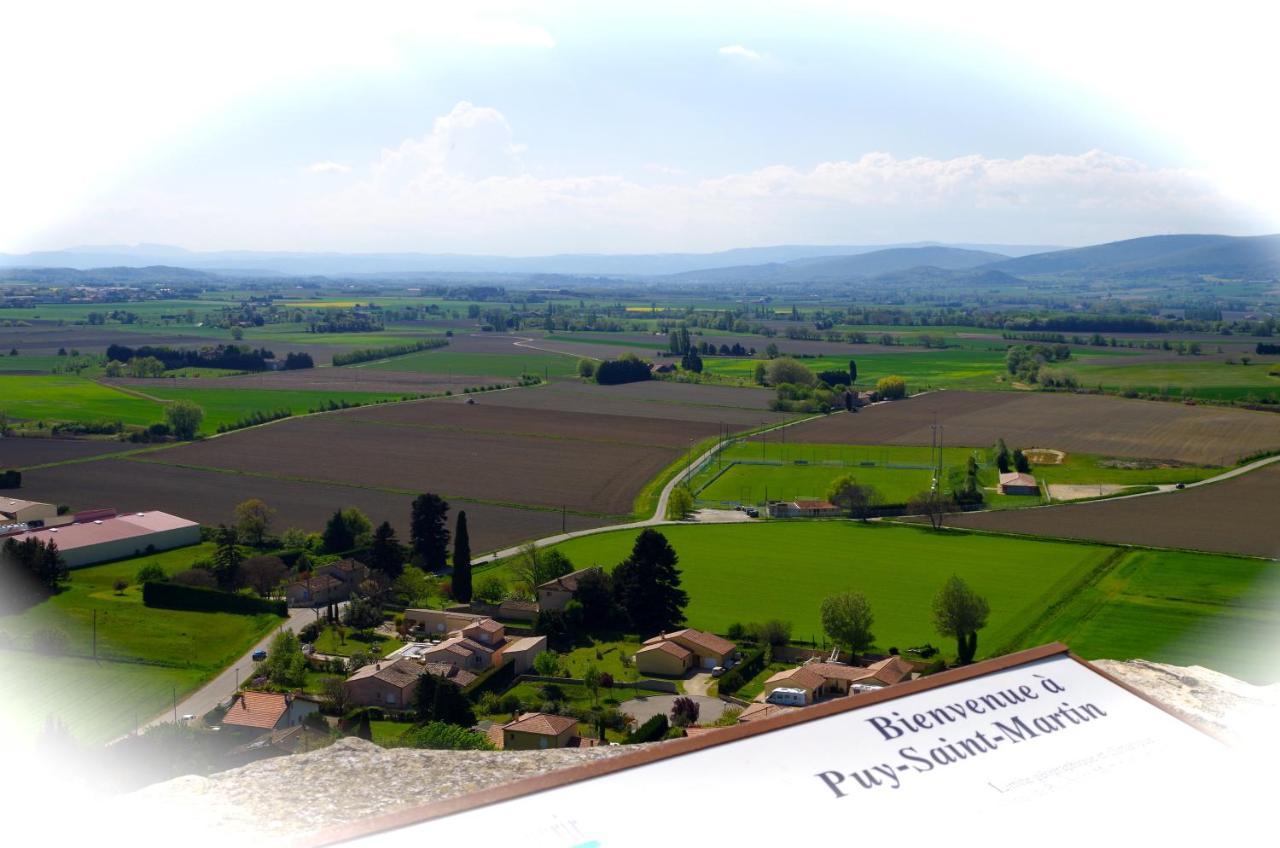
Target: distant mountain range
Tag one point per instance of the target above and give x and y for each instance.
(256, 263)
(1248, 257)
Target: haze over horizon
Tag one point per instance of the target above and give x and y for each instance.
(522, 130)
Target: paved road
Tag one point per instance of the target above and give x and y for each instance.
(224, 685)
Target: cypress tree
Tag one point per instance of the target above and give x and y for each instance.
(461, 560)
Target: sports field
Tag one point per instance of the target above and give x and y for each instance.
(753, 572)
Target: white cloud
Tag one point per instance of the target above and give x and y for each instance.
(328, 167)
(469, 142)
(739, 50)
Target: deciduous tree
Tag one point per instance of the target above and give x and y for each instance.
(847, 619)
(851, 496)
(184, 418)
(253, 520)
(960, 612)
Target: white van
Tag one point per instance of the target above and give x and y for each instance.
(787, 697)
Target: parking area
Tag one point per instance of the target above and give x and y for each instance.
(643, 709)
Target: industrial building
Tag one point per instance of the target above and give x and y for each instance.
(102, 535)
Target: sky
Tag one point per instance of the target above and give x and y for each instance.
(530, 129)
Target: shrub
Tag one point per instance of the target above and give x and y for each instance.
(651, 731)
(735, 678)
(311, 632)
(442, 736)
(152, 571)
(684, 712)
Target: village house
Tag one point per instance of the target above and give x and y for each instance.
(556, 594)
(432, 622)
(533, 731)
(821, 680)
(672, 654)
(462, 652)
(259, 711)
(523, 651)
(393, 684)
(327, 584)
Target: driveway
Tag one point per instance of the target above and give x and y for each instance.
(709, 709)
(698, 683)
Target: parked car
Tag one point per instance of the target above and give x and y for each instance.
(189, 717)
(752, 512)
(717, 671)
(259, 655)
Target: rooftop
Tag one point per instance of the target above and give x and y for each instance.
(401, 673)
(700, 638)
(568, 582)
(257, 709)
(543, 724)
(140, 524)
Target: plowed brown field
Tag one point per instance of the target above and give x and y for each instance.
(1096, 424)
(1236, 516)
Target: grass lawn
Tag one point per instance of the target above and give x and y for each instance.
(330, 643)
(157, 650)
(754, 572)
(386, 732)
(755, 685)
(57, 397)
(96, 701)
(1181, 608)
(445, 361)
(610, 660)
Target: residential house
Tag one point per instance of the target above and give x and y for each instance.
(524, 651)
(1015, 483)
(827, 679)
(518, 610)
(539, 730)
(707, 650)
(556, 594)
(384, 684)
(664, 658)
(437, 622)
(486, 631)
(267, 711)
(315, 591)
(462, 652)
(760, 711)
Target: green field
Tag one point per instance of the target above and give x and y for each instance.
(1104, 602)
(151, 650)
(1181, 608)
(49, 397)
(227, 406)
(955, 368)
(742, 573)
(54, 398)
(443, 361)
(1191, 376)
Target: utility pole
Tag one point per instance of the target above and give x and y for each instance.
(95, 634)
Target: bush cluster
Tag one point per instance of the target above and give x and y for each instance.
(196, 599)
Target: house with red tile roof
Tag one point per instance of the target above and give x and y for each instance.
(539, 730)
(556, 594)
(259, 711)
(705, 650)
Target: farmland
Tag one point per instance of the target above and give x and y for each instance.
(210, 497)
(1092, 424)
(446, 361)
(1236, 516)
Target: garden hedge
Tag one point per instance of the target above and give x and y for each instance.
(196, 599)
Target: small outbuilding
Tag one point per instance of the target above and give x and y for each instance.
(1018, 483)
